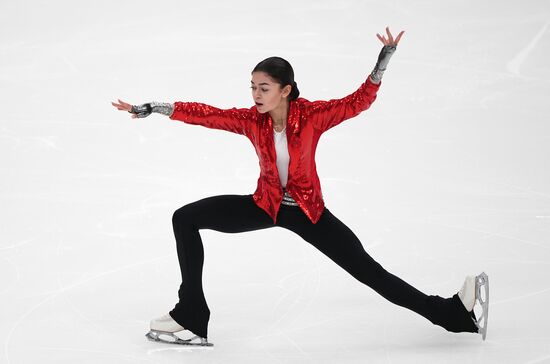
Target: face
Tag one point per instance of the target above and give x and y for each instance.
(267, 94)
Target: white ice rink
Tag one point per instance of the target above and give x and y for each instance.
(446, 175)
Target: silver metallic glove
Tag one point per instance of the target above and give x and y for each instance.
(382, 63)
(145, 110)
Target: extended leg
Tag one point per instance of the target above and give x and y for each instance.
(339, 243)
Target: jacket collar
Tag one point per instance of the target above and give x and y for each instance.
(294, 117)
(293, 120)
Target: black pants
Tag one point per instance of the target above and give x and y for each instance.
(239, 213)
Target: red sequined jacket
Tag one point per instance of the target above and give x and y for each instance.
(306, 122)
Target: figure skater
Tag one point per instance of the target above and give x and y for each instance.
(284, 130)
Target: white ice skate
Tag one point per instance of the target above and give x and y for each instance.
(163, 330)
(476, 289)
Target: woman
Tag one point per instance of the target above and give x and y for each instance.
(284, 130)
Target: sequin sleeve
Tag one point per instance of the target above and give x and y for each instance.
(326, 114)
(233, 120)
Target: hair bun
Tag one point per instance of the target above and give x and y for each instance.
(281, 72)
(295, 93)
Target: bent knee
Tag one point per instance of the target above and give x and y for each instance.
(183, 216)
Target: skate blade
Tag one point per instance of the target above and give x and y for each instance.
(157, 336)
(482, 297)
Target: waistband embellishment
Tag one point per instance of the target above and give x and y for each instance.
(287, 199)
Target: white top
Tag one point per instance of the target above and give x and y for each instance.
(283, 158)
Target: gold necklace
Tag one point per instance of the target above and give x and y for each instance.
(279, 131)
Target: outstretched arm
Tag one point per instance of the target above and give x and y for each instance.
(233, 120)
(327, 114)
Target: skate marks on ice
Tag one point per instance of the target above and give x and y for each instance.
(301, 298)
(488, 234)
(21, 141)
(54, 294)
(9, 275)
(515, 63)
(18, 244)
(522, 297)
(299, 291)
(543, 359)
(288, 313)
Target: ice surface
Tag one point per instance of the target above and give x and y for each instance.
(446, 175)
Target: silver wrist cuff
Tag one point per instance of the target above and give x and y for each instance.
(376, 75)
(382, 63)
(162, 108)
(144, 110)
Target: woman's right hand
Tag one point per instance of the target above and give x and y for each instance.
(123, 106)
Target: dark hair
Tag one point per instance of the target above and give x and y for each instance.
(280, 71)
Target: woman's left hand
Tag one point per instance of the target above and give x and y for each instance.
(390, 40)
(390, 45)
